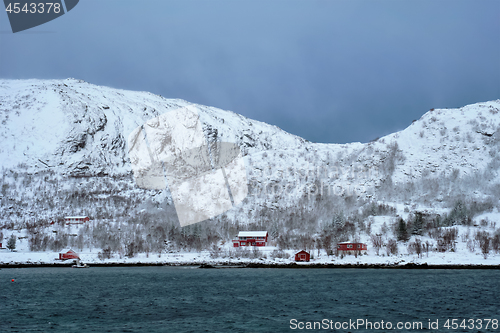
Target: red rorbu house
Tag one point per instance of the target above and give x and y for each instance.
(302, 256)
(68, 255)
(350, 247)
(76, 219)
(251, 238)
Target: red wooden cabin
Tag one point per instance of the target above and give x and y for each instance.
(302, 256)
(351, 247)
(68, 255)
(76, 219)
(251, 238)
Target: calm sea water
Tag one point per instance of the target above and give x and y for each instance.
(184, 299)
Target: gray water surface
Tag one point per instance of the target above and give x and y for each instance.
(186, 299)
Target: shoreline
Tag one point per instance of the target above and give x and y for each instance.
(205, 265)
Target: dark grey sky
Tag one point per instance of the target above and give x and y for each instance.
(329, 71)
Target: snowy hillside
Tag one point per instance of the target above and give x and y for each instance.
(77, 128)
(64, 152)
(74, 128)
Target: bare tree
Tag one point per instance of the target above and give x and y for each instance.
(471, 245)
(326, 241)
(495, 243)
(416, 247)
(377, 242)
(447, 240)
(391, 247)
(484, 242)
(427, 246)
(384, 229)
(105, 253)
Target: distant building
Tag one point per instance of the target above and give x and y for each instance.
(351, 247)
(1, 245)
(76, 219)
(302, 256)
(251, 238)
(68, 255)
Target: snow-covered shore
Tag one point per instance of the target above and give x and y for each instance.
(431, 259)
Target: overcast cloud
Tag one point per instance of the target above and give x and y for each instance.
(329, 71)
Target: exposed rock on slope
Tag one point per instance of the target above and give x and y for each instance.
(64, 145)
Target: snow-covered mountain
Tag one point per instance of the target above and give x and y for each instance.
(78, 128)
(64, 151)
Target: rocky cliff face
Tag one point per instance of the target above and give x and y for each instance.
(64, 151)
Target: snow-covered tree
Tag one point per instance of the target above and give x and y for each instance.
(11, 243)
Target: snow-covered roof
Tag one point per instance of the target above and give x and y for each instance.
(350, 243)
(252, 234)
(75, 217)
